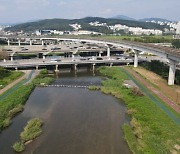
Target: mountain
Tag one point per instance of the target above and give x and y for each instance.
(123, 17)
(63, 25)
(155, 19)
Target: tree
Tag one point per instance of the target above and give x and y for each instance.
(176, 43)
(3, 55)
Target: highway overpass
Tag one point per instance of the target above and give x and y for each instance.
(173, 55)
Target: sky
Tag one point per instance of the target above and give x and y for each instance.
(17, 11)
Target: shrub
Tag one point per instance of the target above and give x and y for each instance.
(19, 146)
(16, 110)
(32, 130)
(135, 91)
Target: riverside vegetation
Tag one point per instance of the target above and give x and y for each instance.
(13, 103)
(31, 131)
(150, 129)
(7, 77)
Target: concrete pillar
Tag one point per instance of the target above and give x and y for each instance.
(93, 67)
(16, 68)
(30, 42)
(42, 43)
(108, 52)
(4, 60)
(72, 57)
(100, 53)
(8, 42)
(111, 64)
(74, 68)
(172, 71)
(135, 58)
(57, 69)
(37, 67)
(12, 58)
(44, 57)
(19, 42)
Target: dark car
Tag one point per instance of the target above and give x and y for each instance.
(99, 58)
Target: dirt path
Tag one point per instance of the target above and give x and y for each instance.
(154, 90)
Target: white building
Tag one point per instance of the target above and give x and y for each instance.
(75, 26)
(84, 32)
(38, 32)
(178, 28)
(96, 23)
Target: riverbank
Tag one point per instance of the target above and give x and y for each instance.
(172, 92)
(150, 129)
(8, 77)
(13, 103)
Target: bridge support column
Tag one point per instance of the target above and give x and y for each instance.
(75, 67)
(172, 71)
(42, 43)
(108, 52)
(16, 68)
(93, 67)
(44, 57)
(135, 58)
(19, 42)
(111, 64)
(8, 42)
(100, 53)
(12, 58)
(57, 68)
(37, 67)
(30, 42)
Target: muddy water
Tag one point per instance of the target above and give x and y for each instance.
(76, 120)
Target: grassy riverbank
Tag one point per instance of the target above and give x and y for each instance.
(150, 129)
(13, 103)
(6, 77)
(31, 131)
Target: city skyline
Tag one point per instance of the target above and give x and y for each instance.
(16, 11)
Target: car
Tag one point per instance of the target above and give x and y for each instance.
(9, 50)
(99, 58)
(44, 49)
(24, 49)
(83, 59)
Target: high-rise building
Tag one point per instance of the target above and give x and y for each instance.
(178, 28)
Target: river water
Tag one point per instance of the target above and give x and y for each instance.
(76, 120)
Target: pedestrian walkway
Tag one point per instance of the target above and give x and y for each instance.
(144, 86)
(16, 84)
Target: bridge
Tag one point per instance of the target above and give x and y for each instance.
(173, 55)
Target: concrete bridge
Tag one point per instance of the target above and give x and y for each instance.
(173, 55)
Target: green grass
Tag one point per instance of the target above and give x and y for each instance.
(151, 130)
(19, 147)
(13, 103)
(6, 77)
(145, 39)
(32, 130)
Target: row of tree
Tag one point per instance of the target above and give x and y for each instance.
(161, 69)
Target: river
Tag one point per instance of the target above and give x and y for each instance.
(76, 120)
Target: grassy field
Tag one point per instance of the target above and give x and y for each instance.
(172, 92)
(146, 39)
(13, 103)
(6, 77)
(150, 130)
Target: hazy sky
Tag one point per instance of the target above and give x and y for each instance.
(14, 11)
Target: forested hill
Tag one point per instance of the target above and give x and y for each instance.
(63, 24)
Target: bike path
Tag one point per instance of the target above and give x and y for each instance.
(15, 87)
(164, 108)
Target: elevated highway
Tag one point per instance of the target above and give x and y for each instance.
(173, 55)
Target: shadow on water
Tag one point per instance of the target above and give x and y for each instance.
(76, 120)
